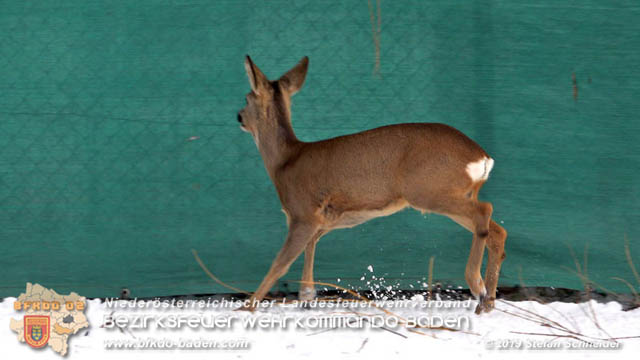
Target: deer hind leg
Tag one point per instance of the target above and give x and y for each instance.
(474, 216)
(307, 289)
(300, 234)
(472, 273)
(495, 244)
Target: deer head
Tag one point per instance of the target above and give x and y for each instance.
(267, 114)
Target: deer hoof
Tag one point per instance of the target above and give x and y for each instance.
(480, 305)
(246, 308)
(307, 294)
(485, 304)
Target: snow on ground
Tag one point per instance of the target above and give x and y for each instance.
(498, 334)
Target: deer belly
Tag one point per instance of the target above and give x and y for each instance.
(351, 218)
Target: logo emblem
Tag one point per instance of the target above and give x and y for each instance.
(36, 330)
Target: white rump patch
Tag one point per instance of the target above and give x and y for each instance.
(479, 170)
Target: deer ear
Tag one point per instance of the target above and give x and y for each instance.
(293, 80)
(256, 78)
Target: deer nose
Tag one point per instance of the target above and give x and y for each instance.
(239, 118)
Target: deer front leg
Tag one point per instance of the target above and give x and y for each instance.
(300, 234)
(495, 244)
(307, 289)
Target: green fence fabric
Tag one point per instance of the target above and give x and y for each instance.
(120, 149)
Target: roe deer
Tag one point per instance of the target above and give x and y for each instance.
(347, 180)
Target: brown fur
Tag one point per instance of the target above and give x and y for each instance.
(347, 180)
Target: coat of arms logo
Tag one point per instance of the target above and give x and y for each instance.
(36, 330)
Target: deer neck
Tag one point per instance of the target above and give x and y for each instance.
(276, 141)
